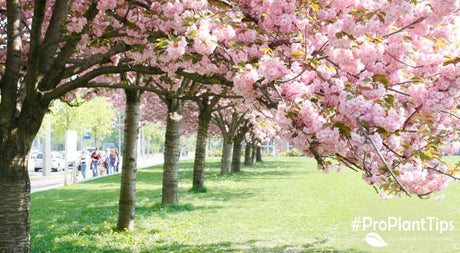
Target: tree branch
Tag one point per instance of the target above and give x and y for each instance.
(9, 81)
(451, 114)
(91, 61)
(54, 73)
(405, 27)
(34, 51)
(53, 32)
(410, 117)
(350, 162)
(397, 91)
(396, 59)
(383, 159)
(86, 78)
(444, 173)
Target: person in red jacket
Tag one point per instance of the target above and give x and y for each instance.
(95, 159)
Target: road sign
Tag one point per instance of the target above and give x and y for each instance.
(87, 136)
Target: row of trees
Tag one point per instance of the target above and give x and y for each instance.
(369, 85)
(233, 124)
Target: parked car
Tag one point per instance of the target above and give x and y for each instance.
(57, 163)
(33, 154)
(72, 159)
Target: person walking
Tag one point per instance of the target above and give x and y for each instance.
(112, 161)
(83, 162)
(118, 160)
(95, 159)
(107, 161)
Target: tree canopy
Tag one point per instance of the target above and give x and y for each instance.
(369, 85)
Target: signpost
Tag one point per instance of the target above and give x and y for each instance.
(70, 153)
(46, 165)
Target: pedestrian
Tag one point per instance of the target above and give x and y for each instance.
(83, 162)
(107, 161)
(118, 160)
(95, 159)
(112, 161)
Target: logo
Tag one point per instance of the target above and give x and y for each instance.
(375, 240)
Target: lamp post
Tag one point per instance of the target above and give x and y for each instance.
(119, 130)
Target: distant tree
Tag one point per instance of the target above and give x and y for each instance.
(155, 132)
(79, 114)
(238, 145)
(229, 121)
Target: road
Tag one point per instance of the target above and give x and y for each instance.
(56, 179)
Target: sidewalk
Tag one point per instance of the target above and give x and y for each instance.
(41, 183)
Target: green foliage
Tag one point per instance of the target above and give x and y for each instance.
(292, 153)
(215, 153)
(98, 116)
(95, 114)
(281, 205)
(155, 133)
(195, 190)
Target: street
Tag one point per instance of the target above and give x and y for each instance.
(57, 179)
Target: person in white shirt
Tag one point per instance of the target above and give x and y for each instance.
(84, 160)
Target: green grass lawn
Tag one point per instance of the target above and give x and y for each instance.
(281, 204)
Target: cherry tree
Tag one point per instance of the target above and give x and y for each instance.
(206, 105)
(262, 128)
(371, 85)
(50, 48)
(229, 121)
(237, 151)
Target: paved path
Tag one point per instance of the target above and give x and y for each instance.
(56, 179)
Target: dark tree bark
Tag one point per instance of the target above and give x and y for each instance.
(259, 154)
(126, 208)
(238, 146)
(254, 153)
(204, 118)
(170, 192)
(200, 151)
(236, 159)
(17, 130)
(228, 123)
(15, 190)
(15, 142)
(226, 160)
(248, 154)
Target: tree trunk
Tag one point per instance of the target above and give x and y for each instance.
(253, 153)
(170, 192)
(226, 157)
(127, 202)
(259, 154)
(16, 138)
(15, 204)
(236, 159)
(247, 154)
(200, 150)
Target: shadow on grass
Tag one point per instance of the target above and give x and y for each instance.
(154, 174)
(223, 194)
(227, 246)
(251, 246)
(162, 210)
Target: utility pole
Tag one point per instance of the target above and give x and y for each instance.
(47, 150)
(119, 130)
